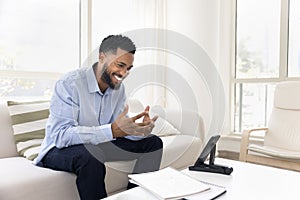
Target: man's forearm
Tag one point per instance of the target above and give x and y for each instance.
(72, 135)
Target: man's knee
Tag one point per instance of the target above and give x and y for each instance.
(91, 160)
(156, 142)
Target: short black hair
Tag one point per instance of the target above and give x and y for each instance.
(112, 42)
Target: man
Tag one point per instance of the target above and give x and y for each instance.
(88, 123)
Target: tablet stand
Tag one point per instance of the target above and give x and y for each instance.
(211, 167)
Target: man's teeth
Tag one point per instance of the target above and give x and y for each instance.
(118, 78)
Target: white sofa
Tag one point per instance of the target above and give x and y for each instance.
(20, 179)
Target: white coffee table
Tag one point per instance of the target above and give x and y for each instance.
(247, 181)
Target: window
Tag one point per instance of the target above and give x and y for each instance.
(38, 41)
(267, 52)
(294, 39)
(258, 38)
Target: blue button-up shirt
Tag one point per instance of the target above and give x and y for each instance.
(80, 113)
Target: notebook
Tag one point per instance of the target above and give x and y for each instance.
(169, 184)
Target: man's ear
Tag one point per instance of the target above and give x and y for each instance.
(101, 57)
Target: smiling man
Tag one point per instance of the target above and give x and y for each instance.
(88, 123)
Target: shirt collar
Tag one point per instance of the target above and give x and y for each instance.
(92, 81)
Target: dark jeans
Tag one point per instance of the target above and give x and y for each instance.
(87, 161)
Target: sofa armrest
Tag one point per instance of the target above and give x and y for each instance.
(187, 122)
(7, 143)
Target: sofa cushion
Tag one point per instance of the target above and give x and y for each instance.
(29, 120)
(20, 179)
(7, 143)
(164, 128)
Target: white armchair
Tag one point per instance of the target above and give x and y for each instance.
(281, 146)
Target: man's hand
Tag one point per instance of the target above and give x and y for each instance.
(127, 126)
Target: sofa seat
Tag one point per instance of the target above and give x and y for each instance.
(20, 178)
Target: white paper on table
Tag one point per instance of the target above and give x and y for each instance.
(169, 183)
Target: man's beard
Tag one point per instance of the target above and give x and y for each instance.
(105, 76)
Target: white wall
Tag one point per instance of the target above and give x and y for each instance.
(201, 21)
(198, 20)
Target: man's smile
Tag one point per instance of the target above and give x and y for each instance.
(118, 77)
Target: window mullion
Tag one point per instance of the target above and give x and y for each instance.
(85, 29)
(284, 23)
